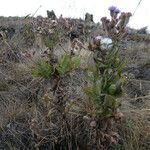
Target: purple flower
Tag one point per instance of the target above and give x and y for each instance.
(117, 11)
(112, 8)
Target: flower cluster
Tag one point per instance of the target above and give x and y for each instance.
(114, 11)
(116, 26)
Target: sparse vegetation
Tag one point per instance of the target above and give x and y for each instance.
(67, 64)
(42, 69)
(107, 82)
(48, 101)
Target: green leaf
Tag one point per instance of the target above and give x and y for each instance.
(112, 89)
(120, 67)
(89, 92)
(109, 102)
(106, 81)
(97, 87)
(75, 62)
(64, 65)
(42, 69)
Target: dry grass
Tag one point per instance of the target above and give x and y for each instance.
(32, 117)
(135, 131)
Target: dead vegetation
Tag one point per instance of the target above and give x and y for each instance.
(54, 112)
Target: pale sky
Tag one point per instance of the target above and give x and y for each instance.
(77, 8)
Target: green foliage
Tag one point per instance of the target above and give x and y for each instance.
(109, 105)
(66, 64)
(106, 81)
(75, 62)
(42, 69)
(104, 102)
(112, 89)
(63, 65)
(111, 69)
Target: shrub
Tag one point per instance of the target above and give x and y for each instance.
(42, 69)
(107, 81)
(67, 64)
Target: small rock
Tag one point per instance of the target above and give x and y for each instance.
(93, 124)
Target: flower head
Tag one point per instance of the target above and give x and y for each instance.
(112, 8)
(117, 10)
